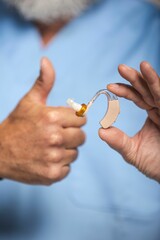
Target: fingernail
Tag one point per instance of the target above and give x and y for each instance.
(125, 66)
(42, 63)
(112, 86)
(43, 66)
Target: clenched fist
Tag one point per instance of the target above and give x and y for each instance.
(38, 143)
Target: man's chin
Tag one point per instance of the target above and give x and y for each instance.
(50, 11)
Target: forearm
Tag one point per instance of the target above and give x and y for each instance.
(4, 151)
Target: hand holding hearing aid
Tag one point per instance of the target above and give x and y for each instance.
(143, 149)
(111, 113)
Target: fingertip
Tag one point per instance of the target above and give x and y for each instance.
(109, 85)
(144, 63)
(121, 67)
(101, 133)
(47, 69)
(83, 120)
(43, 62)
(112, 87)
(124, 70)
(106, 133)
(145, 67)
(45, 81)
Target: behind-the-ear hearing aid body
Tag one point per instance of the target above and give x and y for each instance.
(112, 111)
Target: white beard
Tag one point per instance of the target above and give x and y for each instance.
(49, 11)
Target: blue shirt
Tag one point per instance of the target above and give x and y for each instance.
(103, 197)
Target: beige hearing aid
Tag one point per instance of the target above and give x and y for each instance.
(112, 111)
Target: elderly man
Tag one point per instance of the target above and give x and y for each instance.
(102, 197)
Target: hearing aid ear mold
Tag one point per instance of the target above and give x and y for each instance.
(112, 111)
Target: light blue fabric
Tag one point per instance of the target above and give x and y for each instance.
(103, 198)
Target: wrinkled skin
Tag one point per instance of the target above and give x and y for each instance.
(38, 143)
(143, 149)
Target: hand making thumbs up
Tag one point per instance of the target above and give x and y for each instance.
(38, 143)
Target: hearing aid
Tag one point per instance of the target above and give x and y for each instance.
(113, 108)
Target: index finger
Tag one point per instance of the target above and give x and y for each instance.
(66, 117)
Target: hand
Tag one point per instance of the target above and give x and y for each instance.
(38, 143)
(143, 149)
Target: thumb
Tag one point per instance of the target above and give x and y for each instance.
(44, 83)
(119, 141)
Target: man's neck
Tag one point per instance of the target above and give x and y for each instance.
(48, 32)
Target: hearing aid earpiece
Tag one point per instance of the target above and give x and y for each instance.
(111, 114)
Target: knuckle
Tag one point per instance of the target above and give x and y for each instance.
(56, 116)
(52, 135)
(57, 156)
(55, 174)
(57, 138)
(39, 83)
(49, 116)
(52, 116)
(127, 95)
(52, 156)
(52, 174)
